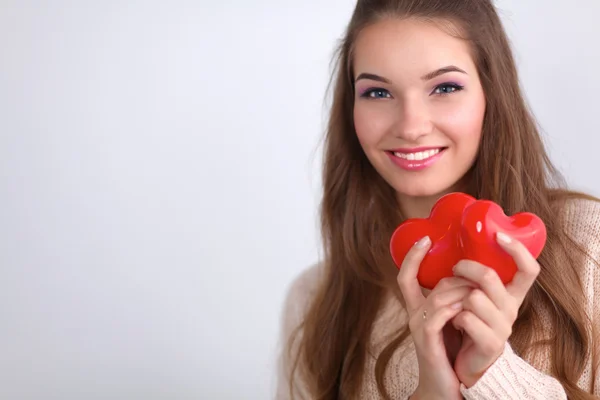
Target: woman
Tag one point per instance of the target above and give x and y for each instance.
(426, 102)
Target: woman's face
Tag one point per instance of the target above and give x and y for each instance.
(419, 106)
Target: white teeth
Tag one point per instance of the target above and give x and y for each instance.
(419, 156)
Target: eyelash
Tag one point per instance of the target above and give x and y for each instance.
(454, 86)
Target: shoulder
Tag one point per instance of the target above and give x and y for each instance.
(582, 224)
(299, 295)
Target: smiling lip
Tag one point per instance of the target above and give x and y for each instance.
(416, 149)
(417, 158)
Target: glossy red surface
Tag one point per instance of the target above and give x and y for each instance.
(461, 227)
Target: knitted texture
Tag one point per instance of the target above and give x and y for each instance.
(510, 377)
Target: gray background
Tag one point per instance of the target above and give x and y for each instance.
(159, 181)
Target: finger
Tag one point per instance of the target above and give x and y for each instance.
(407, 277)
(451, 283)
(487, 279)
(436, 301)
(433, 325)
(480, 304)
(448, 283)
(528, 267)
(428, 339)
(482, 335)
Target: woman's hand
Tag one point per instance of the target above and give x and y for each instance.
(427, 318)
(490, 310)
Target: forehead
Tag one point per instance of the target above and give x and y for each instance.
(407, 48)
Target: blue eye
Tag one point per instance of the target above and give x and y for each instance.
(447, 88)
(376, 93)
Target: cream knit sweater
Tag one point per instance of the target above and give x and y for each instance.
(510, 377)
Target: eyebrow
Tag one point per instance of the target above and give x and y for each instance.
(441, 71)
(427, 77)
(372, 77)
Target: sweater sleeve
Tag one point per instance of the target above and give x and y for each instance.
(511, 377)
(294, 308)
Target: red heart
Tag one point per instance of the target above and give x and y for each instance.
(461, 227)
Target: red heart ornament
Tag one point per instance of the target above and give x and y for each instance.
(461, 227)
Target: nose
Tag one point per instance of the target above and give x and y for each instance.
(414, 120)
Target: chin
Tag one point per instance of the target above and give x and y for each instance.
(420, 190)
(427, 185)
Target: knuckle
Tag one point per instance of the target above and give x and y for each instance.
(465, 318)
(475, 296)
(508, 332)
(402, 280)
(465, 294)
(535, 269)
(489, 276)
(512, 313)
(471, 299)
(436, 301)
(460, 263)
(445, 283)
(404, 288)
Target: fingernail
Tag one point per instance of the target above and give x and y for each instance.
(456, 306)
(503, 238)
(424, 242)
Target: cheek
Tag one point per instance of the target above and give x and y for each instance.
(371, 124)
(464, 122)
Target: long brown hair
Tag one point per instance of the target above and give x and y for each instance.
(359, 212)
